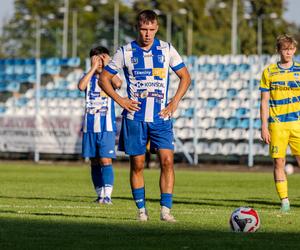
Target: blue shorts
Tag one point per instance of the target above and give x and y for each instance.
(134, 136)
(99, 145)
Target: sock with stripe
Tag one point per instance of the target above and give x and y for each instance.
(107, 180)
(139, 197)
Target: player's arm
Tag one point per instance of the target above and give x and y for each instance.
(185, 81)
(106, 84)
(84, 81)
(116, 82)
(264, 115)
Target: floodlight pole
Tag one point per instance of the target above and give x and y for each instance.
(169, 27)
(65, 31)
(38, 83)
(116, 25)
(234, 25)
(74, 33)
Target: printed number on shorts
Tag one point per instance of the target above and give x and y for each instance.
(274, 149)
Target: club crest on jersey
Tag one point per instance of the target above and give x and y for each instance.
(134, 60)
(161, 58)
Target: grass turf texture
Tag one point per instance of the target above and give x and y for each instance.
(50, 207)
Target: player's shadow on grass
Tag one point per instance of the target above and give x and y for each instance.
(65, 199)
(205, 201)
(63, 215)
(32, 233)
(216, 202)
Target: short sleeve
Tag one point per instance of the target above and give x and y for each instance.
(265, 81)
(176, 62)
(116, 63)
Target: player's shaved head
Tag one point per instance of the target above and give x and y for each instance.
(98, 51)
(146, 16)
(285, 39)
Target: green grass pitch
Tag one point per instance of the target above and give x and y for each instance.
(50, 207)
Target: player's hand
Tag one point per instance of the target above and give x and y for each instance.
(96, 62)
(130, 105)
(169, 110)
(265, 135)
(105, 59)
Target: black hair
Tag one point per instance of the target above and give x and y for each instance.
(98, 50)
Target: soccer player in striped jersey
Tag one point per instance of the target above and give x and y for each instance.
(147, 110)
(99, 126)
(280, 111)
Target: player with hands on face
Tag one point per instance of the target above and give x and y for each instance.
(99, 125)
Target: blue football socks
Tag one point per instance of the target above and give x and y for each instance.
(139, 197)
(166, 200)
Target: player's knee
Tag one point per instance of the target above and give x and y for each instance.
(167, 163)
(279, 162)
(105, 161)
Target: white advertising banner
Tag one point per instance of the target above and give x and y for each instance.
(47, 134)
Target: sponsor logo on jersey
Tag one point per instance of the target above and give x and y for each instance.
(140, 84)
(161, 47)
(160, 72)
(134, 60)
(142, 72)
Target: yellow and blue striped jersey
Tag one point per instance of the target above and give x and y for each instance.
(284, 87)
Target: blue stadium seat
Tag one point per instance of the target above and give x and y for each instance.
(62, 93)
(257, 124)
(243, 123)
(2, 109)
(243, 67)
(229, 68)
(241, 112)
(223, 76)
(205, 68)
(9, 69)
(74, 62)
(19, 69)
(22, 101)
(231, 122)
(50, 93)
(74, 93)
(3, 86)
(231, 93)
(13, 87)
(29, 69)
(212, 103)
(30, 61)
(220, 122)
(54, 61)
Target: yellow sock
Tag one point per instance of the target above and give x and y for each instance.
(282, 189)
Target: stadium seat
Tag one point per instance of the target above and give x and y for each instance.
(215, 148)
(228, 148)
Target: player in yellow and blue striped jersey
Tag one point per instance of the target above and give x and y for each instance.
(280, 111)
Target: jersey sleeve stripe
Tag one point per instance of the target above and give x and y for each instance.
(110, 70)
(264, 89)
(178, 67)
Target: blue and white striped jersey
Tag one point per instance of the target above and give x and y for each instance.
(147, 76)
(99, 109)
